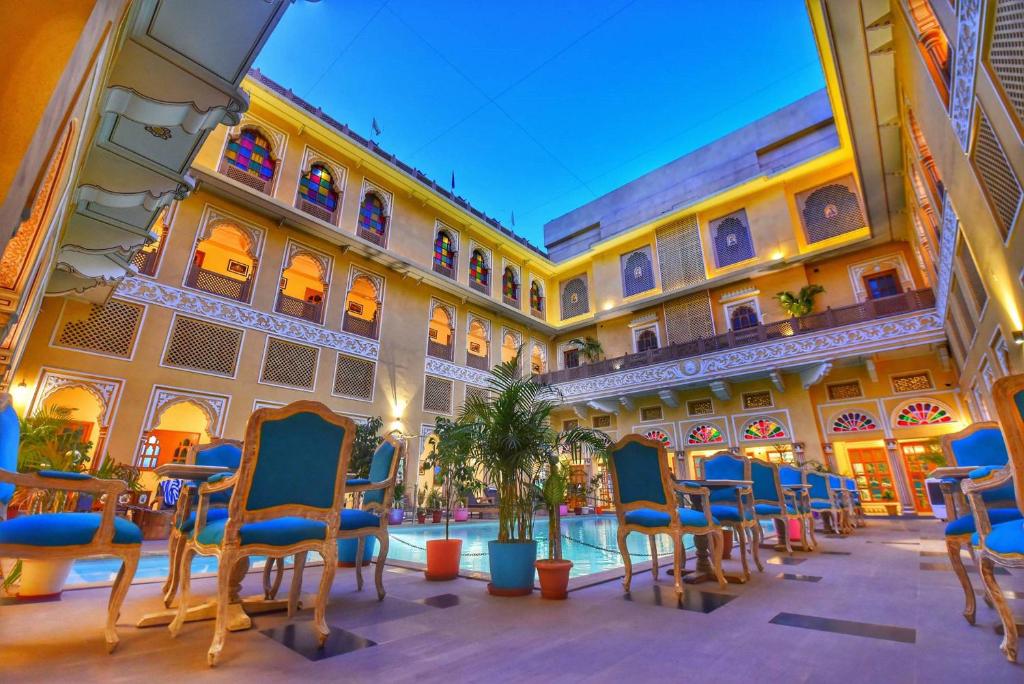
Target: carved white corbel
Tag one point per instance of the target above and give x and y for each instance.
(872, 370)
(133, 105)
(721, 389)
(602, 406)
(942, 353)
(626, 402)
(778, 382)
(580, 410)
(813, 375)
(669, 398)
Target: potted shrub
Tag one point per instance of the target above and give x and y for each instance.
(512, 440)
(449, 457)
(435, 504)
(589, 348)
(554, 570)
(421, 512)
(397, 513)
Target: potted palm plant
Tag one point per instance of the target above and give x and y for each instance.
(554, 570)
(512, 442)
(435, 504)
(800, 304)
(589, 347)
(449, 458)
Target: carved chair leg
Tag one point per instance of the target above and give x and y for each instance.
(654, 558)
(129, 563)
(296, 589)
(175, 546)
(185, 575)
(220, 629)
(741, 534)
(330, 555)
(1009, 645)
(383, 541)
(957, 561)
(271, 579)
(360, 550)
(782, 528)
(810, 528)
(717, 545)
(626, 560)
(755, 545)
(678, 560)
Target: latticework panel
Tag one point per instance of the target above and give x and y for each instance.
(354, 377)
(106, 329)
(473, 391)
(912, 382)
(651, 413)
(1001, 185)
(700, 407)
(602, 421)
(437, 395)
(202, 346)
(830, 211)
(756, 400)
(731, 235)
(680, 255)
(689, 318)
(637, 272)
(1006, 51)
(290, 364)
(575, 299)
(844, 390)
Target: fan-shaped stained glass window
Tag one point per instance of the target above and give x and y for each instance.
(444, 251)
(510, 284)
(536, 297)
(250, 152)
(479, 274)
(853, 421)
(764, 428)
(922, 413)
(705, 433)
(317, 186)
(660, 436)
(371, 214)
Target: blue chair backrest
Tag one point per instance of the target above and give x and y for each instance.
(789, 475)
(638, 474)
(10, 438)
(982, 447)
(819, 486)
(850, 484)
(724, 467)
(224, 455)
(766, 486)
(380, 470)
(835, 482)
(297, 462)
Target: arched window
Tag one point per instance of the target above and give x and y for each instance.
(362, 308)
(303, 288)
(224, 262)
(743, 316)
(479, 273)
(477, 345)
(510, 343)
(444, 254)
(317, 193)
(510, 286)
(646, 340)
(575, 300)
(149, 453)
(373, 224)
(732, 240)
(538, 360)
(250, 153)
(637, 273)
(536, 299)
(440, 334)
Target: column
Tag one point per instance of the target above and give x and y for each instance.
(899, 476)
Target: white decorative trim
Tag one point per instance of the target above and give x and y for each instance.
(234, 313)
(387, 198)
(947, 252)
(137, 107)
(961, 101)
(215, 406)
(453, 371)
(886, 262)
(742, 293)
(486, 324)
(904, 401)
(105, 390)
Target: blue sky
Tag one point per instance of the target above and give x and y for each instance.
(539, 107)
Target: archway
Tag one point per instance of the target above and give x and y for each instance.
(87, 413)
(303, 288)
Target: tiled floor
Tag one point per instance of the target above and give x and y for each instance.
(866, 612)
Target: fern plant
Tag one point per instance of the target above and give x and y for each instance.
(800, 304)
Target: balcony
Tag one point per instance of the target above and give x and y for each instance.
(145, 262)
(317, 211)
(215, 283)
(476, 361)
(479, 287)
(444, 270)
(290, 306)
(440, 351)
(379, 239)
(361, 326)
(247, 179)
(865, 312)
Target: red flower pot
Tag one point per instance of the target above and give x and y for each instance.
(443, 557)
(435, 516)
(578, 510)
(598, 510)
(554, 578)
(421, 518)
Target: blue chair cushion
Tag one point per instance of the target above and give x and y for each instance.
(773, 509)
(275, 532)
(212, 515)
(1006, 538)
(723, 494)
(356, 481)
(10, 438)
(649, 517)
(965, 524)
(64, 529)
(823, 505)
(729, 513)
(357, 519)
(64, 475)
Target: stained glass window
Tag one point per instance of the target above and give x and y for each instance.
(922, 413)
(743, 316)
(660, 436)
(763, 428)
(317, 186)
(536, 297)
(646, 340)
(705, 433)
(478, 271)
(509, 284)
(853, 421)
(371, 214)
(444, 251)
(250, 152)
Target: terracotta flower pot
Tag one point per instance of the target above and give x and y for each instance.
(435, 516)
(599, 509)
(554, 578)
(443, 556)
(421, 518)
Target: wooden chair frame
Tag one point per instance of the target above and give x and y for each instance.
(782, 518)
(230, 551)
(675, 529)
(747, 531)
(176, 541)
(837, 509)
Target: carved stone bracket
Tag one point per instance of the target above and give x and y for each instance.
(721, 389)
(813, 375)
(961, 106)
(778, 382)
(669, 398)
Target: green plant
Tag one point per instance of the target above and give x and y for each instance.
(435, 502)
(552, 493)
(367, 440)
(801, 303)
(50, 441)
(449, 457)
(512, 441)
(818, 466)
(398, 498)
(933, 453)
(589, 347)
(115, 470)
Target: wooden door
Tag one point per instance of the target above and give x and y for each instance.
(871, 471)
(917, 472)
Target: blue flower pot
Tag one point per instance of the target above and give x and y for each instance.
(347, 551)
(512, 567)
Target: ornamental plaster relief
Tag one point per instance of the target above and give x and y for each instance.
(947, 251)
(961, 102)
(452, 371)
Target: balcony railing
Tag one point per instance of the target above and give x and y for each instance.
(215, 283)
(145, 262)
(478, 362)
(379, 239)
(510, 301)
(236, 174)
(444, 270)
(486, 289)
(314, 209)
(914, 300)
(290, 306)
(440, 351)
(360, 326)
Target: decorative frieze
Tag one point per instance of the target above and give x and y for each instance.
(947, 251)
(453, 371)
(961, 103)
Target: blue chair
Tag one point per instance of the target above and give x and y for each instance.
(288, 491)
(842, 503)
(646, 501)
(218, 452)
(856, 507)
(979, 444)
(822, 498)
(51, 536)
(775, 503)
(734, 508)
(795, 479)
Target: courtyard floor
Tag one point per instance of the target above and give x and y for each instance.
(879, 606)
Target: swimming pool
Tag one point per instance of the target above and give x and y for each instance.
(588, 541)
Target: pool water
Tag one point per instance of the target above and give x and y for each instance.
(588, 541)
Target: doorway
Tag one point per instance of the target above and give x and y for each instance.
(871, 471)
(918, 466)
